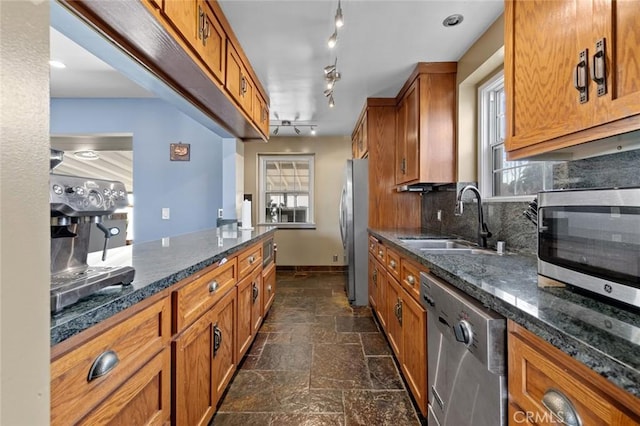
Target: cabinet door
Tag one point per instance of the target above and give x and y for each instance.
(211, 41)
(414, 349)
(144, 399)
(248, 89)
(619, 24)
(224, 345)
(245, 303)
(381, 296)
(256, 302)
(364, 146)
(268, 288)
(194, 390)
(401, 143)
(542, 47)
(183, 16)
(233, 77)
(394, 318)
(373, 283)
(412, 133)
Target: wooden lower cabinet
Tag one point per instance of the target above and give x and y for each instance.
(538, 369)
(256, 303)
(204, 357)
(394, 318)
(414, 349)
(144, 399)
(372, 283)
(268, 288)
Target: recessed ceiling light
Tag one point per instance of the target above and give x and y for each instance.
(86, 155)
(452, 20)
(57, 64)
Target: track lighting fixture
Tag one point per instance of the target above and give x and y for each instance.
(331, 101)
(296, 127)
(339, 18)
(333, 39)
(331, 68)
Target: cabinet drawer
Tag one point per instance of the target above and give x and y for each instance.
(132, 342)
(249, 259)
(144, 399)
(536, 369)
(393, 263)
(373, 245)
(195, 298)
(381, 253)
(410, 277)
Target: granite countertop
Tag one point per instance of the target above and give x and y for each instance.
(603, 336)
(158, 265)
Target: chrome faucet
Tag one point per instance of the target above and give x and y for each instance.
(483, 231)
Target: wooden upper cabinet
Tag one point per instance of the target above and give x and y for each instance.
(260, 112)
(238, 82)
(211, 42)
(183, 15)
(571, 73)
(425, 136)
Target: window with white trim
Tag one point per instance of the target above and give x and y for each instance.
(286, 183)
(499, 178)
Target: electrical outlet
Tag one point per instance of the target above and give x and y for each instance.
(439, 216)
(220, 213)
(335, 257)
(166, 213)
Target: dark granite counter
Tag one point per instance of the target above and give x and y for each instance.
(604, 337)
(158, 264)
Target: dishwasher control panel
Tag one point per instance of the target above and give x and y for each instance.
(465, 321)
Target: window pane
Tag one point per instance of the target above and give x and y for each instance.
(523, 180)
(501, 117)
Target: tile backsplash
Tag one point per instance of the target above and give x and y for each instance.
(506, 221)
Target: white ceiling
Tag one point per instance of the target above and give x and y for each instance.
(286, 43)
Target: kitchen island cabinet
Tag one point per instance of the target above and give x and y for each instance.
(571, 73)
(177, 324)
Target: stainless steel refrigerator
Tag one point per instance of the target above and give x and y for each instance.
(354, 219)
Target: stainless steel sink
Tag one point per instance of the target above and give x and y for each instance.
(444, 246)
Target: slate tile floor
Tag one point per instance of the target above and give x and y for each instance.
(317, 361)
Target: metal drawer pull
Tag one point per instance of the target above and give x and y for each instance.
(375, 276)
(213, 286)
(251, 259)
(105, 362)
(580, 77)
(393, 264)
(411, 279)
(269, 288)
(561, 408)
(217, 338)
(380, 253)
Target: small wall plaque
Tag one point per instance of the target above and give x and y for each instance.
(180, 152)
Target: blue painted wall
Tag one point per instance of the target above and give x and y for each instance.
(192, 190)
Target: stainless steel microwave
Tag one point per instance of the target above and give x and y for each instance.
(591, 239)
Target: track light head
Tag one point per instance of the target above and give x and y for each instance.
(333, 39)
(313, 131)
(328, 92)
(296, 130)
(331, 101)
(339, 18)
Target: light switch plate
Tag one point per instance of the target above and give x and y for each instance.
(166, 214)
(220, 213)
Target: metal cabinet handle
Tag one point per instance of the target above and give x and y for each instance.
(213, 286)
(561, 407)
(201, 19)
(255, 292)
(375, 276)
(411, 279)
(580, 77)
(392, 264)
(104, 363)
(269, 288)
(400, 311)
(599, 68)
(217, 338)
(206, 31)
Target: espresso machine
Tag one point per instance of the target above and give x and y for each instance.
(76, 204)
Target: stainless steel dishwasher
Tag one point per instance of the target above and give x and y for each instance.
(467, 358)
